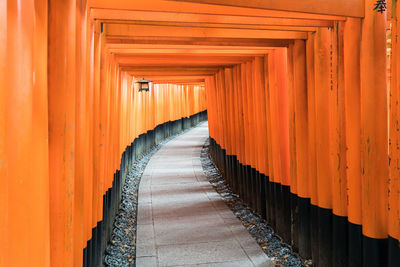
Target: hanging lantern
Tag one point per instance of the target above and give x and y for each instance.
(144, 85)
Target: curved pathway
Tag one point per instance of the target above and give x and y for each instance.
(182, 221)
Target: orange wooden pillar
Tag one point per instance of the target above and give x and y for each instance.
(394, 144)
(249, 70)
(301, 146)
(261, 131)
(242, 132)
(279, 108)
(23, 140)
(273, 126)
(268, 191)
(81, 159)
(294, 209)
(62, 83)
(351, 46)
(282, 113)
(323, 214)
(238, 131)
(374, 137)
(3, 158)
(338, 149)
(247, 144)
(230, 131)
(312, 158)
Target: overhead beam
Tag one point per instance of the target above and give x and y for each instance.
(170, 71)
(168, 74)
(181, 61)
(172, 47)
(221, 42)
(174, 79)
(200, 8)
(188, 52)
(124, 30)
(217, 25)
(162, 68)
(346, 8)
(139, 15)
(189, 82)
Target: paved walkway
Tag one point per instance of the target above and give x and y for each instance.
(182, 221)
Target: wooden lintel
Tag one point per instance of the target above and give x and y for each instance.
(346, 8)
(124, 30)
(162, 16)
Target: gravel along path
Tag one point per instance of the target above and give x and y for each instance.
(280, 253)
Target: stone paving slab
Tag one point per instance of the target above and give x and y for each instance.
(182, 221)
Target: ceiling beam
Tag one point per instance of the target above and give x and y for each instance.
(172, 47)
(217, 25)
(346, 8)
(187, 52)
(124, 30)
(174, 71)
(200, 8)
(181, 61)
(221, 42)
(167, 72)
(138, 15)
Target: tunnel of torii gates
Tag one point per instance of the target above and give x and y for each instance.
(303, 109)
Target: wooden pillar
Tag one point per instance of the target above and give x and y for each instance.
(374, 136)
(394, 143)
(61, 82)
(351, 46)
(4, 258)
(23, 140)
(81, 149)
(324, 186)
(312, 159)
(338, 149)
(294, 208)
(301, 130)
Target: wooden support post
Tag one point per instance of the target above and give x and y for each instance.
(338, 149)
(62, 83)
(324, 185)
(394, 142)
(23, 138)
(292, 151)
(351, 46)
(374, 137)
(301, 131)
(4, 258)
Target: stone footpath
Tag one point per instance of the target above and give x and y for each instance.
(182, 220)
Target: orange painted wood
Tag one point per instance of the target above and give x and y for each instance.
(267, 71)
(4, 258)
(301, 111)
(292, 119)
(352, 8)
(62, 83)
(127, 30)
(337, 108)
(245, 19)
(394, 138)
(374, 130)
(322, 89)
(186, 7)
(312, 167)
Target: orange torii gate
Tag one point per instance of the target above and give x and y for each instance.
(301, 115)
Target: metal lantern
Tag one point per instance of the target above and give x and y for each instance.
(144, 85)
